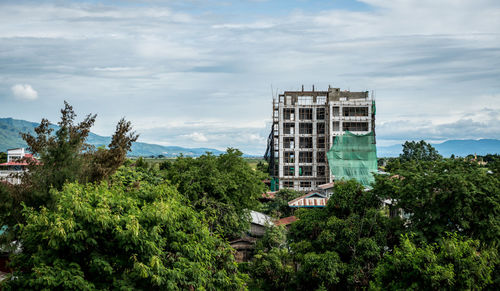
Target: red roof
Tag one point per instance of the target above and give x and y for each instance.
(286, 220)
(269, 195)
(14, 164)
(22, 162)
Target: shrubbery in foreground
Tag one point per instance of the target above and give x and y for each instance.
(105, 237)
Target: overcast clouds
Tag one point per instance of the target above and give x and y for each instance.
(199, 73)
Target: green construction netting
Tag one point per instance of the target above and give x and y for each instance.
(353, 157)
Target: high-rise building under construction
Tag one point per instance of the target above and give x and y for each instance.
(321, 136)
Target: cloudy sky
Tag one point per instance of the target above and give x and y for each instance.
(199, 73)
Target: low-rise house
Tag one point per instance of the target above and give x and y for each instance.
(245, 245)
(258, 223)
(313, 199)
(17, 163)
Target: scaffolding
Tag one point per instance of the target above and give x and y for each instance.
(304, 126)
(354, 157)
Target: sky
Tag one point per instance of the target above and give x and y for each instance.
(201, 73)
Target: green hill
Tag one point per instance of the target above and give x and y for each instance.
(10, 138)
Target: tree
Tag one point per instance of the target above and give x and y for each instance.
(3, 157)
(110, 237)
(65, 157)
(491, 158)
(272, 267)
(165, 165)
(141, 163)
(103, 162)
(61, 153)
(419, 151)
(263, 167)
(223, 187)
(278, 207)
(445, 196)
(62, 160)
(494, 165)
(339, 246)
(321, 271)
(455, 263)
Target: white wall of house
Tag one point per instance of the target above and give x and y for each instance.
(15, 154)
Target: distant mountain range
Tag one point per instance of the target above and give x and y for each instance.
(10, 138)
(460, 148)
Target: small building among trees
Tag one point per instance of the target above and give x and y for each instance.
(17, 162)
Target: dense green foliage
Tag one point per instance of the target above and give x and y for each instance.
(494, 164)
(440, 230)
(272, 267)
(262, 166)
(103, 162)
(64, 157)
(334, 247)
(339, 246)
(223, 187)
(445, 196)
(103, 237)
(141, 163)
(85, 221)
(455, 263)
(420, 151)
(278, 207)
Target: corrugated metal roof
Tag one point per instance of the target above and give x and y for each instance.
(260, 218)
(326, 186)
(286, 220)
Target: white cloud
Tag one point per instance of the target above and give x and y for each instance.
(254, 25)
(197, 137)
(112, 69)
(475, 124)
(203, 76)
(24, 92)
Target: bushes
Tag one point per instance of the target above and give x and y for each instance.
(455, 263)
(102, 237)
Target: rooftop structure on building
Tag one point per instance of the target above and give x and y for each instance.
(320, 136)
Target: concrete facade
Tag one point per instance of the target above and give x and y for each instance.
(304, 126)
